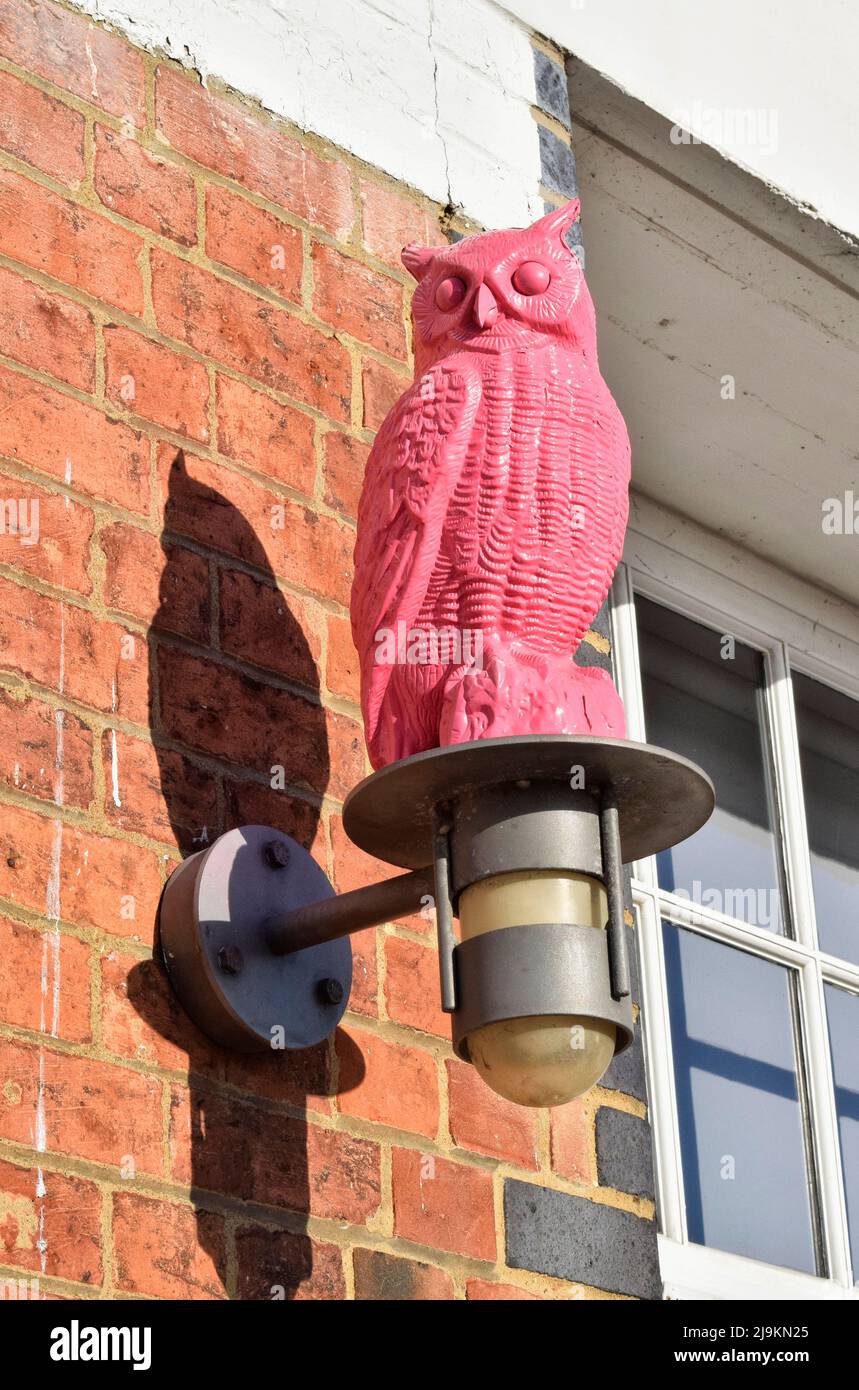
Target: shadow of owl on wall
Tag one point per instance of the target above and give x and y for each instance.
(494, 505)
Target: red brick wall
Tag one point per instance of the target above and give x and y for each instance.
(202, 319)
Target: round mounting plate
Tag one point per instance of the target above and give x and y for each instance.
(662, 798)
(212, 925)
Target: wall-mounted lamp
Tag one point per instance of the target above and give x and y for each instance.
(493, 508)
(522, 838)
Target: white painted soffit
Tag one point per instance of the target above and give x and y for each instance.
(699, 272)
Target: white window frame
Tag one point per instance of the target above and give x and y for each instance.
(698, 576)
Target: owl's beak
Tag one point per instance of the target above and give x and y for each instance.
(485, 307)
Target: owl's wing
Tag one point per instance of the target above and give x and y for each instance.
(600, 470)
(411, 472)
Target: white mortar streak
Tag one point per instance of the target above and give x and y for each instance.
(51, 940)
(114, 768)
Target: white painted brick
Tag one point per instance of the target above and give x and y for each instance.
(367, 83)
(482, 37)
(490, 183)
(411, 86)
(413, 13)
(470, 105)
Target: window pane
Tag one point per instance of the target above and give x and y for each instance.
(828, 724)
(741, 1125)
(708, 706)
(843, 1013)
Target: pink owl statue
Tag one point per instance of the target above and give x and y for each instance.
(494, 505)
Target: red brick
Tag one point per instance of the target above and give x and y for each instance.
(273, 439)
(161, 794)
(482, 1121)
(70, 51)
(225, 322)
(268, 628)
(380, 1277)
(243, 720)
(45, 752)
(346, 753)
(253, 242)
(484, 1291)
(46, 331)
(163, 584)
(55, 434)
(391, 222)
(62, 1213)
(131, 181)
(150, 380)
(98, 876)
(386, 1082)
(382, 388)
(222, 508)
(344, 1175)
(572, 1143)
(66, 241)
(412, 986)
(41, 130)
(345, 459)
(69, 649)
(224, 1145)
(352, 867)
(443, 1204)
(355, 869)
(301, 1078)
(93, 1110)
(364, 998)
(277, 1265)
(238, 718)
(163, 1250)
(143, 1021)
(222, 136)
(250, 803)
(60, 528)
(44, 984)
(342, 674)
(357, 300)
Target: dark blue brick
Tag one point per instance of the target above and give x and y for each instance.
(590, 656)
(586, 1242)
(626, 1072)
(552, 92)
(624, 1153)
(557, 163)
(602, 621)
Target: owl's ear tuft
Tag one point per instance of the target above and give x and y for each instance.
(417, 259)
(558, 222)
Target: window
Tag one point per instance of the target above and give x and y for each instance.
(749, 936)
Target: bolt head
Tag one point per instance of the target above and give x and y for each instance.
(330, 991)
(230, 960)
(277, 854)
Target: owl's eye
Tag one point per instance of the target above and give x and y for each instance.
(450, 293)
(531, 278)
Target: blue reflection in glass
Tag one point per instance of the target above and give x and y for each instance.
(703, 698)
(741, 1126)
(828, 725)
(843, 1013)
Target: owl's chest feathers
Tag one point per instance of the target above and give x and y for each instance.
(515, 492)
